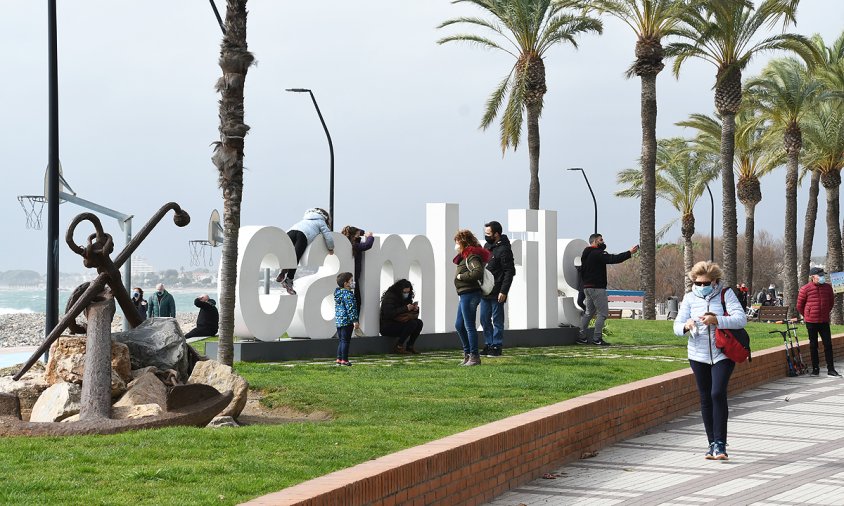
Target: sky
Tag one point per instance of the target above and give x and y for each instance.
(138, 114)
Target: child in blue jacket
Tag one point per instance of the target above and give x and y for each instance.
(345, 314)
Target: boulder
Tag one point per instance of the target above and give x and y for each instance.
(10, 405)
(56, 403)
(67, 360)
(127, 412)
(157, 342)
(118, 386)
(221, 377)
(146, 389)
(37, 367)
(27, 390)
(137, 373)
(222, 421)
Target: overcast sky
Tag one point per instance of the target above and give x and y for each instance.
(138, 113)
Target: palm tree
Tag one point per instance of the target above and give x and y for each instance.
(784, 93)
(722, 33)
(823, 132)
(235, 60)
(809, 224)
(681, 178)
(650, 20)
(753, 161)
(526, 30)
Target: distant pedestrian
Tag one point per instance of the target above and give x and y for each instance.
(139, 302)
(701, 312)
(161, 304)
(361, 241)
(345, 315)
(593, 268)
(815, 301)
(303, 233)
(741, 292)
(208, 321)
(470, 261)
(400, 316)
(503, 269)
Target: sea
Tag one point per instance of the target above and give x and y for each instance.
(35, 300)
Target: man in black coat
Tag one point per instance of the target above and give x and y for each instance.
(207, 323)
(503, 268)
(594, 261)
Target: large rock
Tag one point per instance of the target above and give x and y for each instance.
(222, 421)
(146, 389)
(127, 412)
(27, 390)
(67, 360)
(221, 377)
(56, 403)
(157, 342)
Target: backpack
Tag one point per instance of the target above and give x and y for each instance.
(734, 343)
(487, 283)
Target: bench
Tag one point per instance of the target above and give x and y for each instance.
(626, 299)
(772, 314)
(614, 314)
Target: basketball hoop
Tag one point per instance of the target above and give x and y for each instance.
(33, 206)
(201, 254)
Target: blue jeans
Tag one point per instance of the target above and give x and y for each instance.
(467, 312)
(492, 321)
(344, 336)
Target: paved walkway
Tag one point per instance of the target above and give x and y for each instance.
(786, 446)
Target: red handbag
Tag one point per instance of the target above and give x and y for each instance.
(734, 343)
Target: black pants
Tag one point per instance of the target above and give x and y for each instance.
(201, 332)
(813, 329)
(712, 383)
(405, 331)
(300, 244)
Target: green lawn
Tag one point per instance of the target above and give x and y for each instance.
(378, 406)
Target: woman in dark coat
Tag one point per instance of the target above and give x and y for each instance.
(400, 316)
(361, 241)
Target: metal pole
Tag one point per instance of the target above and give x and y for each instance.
(217, 14)
(711, 226)
(127, 268)
(266, 281)
(594, 201)
(52, 307)
(331, 175)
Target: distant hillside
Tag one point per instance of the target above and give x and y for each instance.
(19, 278)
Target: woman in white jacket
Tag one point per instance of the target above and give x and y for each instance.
(700, 314)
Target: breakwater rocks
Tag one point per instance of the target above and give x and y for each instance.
(27, 329)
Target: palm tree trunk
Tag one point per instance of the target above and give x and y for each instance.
(749, 236)
(834, 256)
(809, 226)
(533, 150)
(728, 192)
(235, 61)
(647, 206)
(688, 260)
(790, 270)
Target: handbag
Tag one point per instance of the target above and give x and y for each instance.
(734, 343)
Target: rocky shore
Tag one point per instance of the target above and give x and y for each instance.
(27, 329)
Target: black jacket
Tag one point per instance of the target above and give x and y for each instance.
(594, 263)
(501, 265)
(392, 306)
(209, 317)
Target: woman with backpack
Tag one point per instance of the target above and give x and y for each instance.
(700, 314)
(470, 260)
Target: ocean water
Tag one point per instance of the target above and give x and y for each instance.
(35, 301)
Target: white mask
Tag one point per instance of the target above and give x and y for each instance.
(457, 247)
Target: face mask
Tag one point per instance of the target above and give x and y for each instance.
(490, 239)
(456, 247)
(702, 291)
(406, 295)
(821, 280)
(352, 285)
(160, 292)
(602, 246)
(136, 294)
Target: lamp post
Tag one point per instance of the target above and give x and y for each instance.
(595, 202)
(52, 302)
(331, 151)
(711, 226)
(217, 15)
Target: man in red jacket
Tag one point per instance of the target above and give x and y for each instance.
(814, 302)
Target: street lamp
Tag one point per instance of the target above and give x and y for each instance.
(711, 226)
(330, 149)
(590, 191)
(217, 15)
(52, 302)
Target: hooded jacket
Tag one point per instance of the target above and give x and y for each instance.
(815, 301)
(345, 307)
(702, 337)
(593, 270)
(313, 224)
(470, 269)
(501, 265)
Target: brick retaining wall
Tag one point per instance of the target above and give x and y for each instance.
(520, 448)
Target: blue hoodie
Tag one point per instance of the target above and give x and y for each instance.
(313, 224)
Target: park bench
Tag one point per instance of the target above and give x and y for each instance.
(619, 300)
(614, 314)
(772, 314)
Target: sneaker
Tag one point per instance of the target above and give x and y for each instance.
(486, 350)
(581, 340)
(601, 343)
(710, 454)
(346, 363)
(287, 284)
(832, 372)
(338, 362)
(495, 351)
(720, 452)
(815, 371)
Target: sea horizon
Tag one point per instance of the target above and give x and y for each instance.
(34, 300)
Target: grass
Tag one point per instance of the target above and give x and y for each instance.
(379, 406)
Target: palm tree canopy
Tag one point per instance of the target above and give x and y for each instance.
(783, 92)
(824, 135)
(830, 65)
(525, 29)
